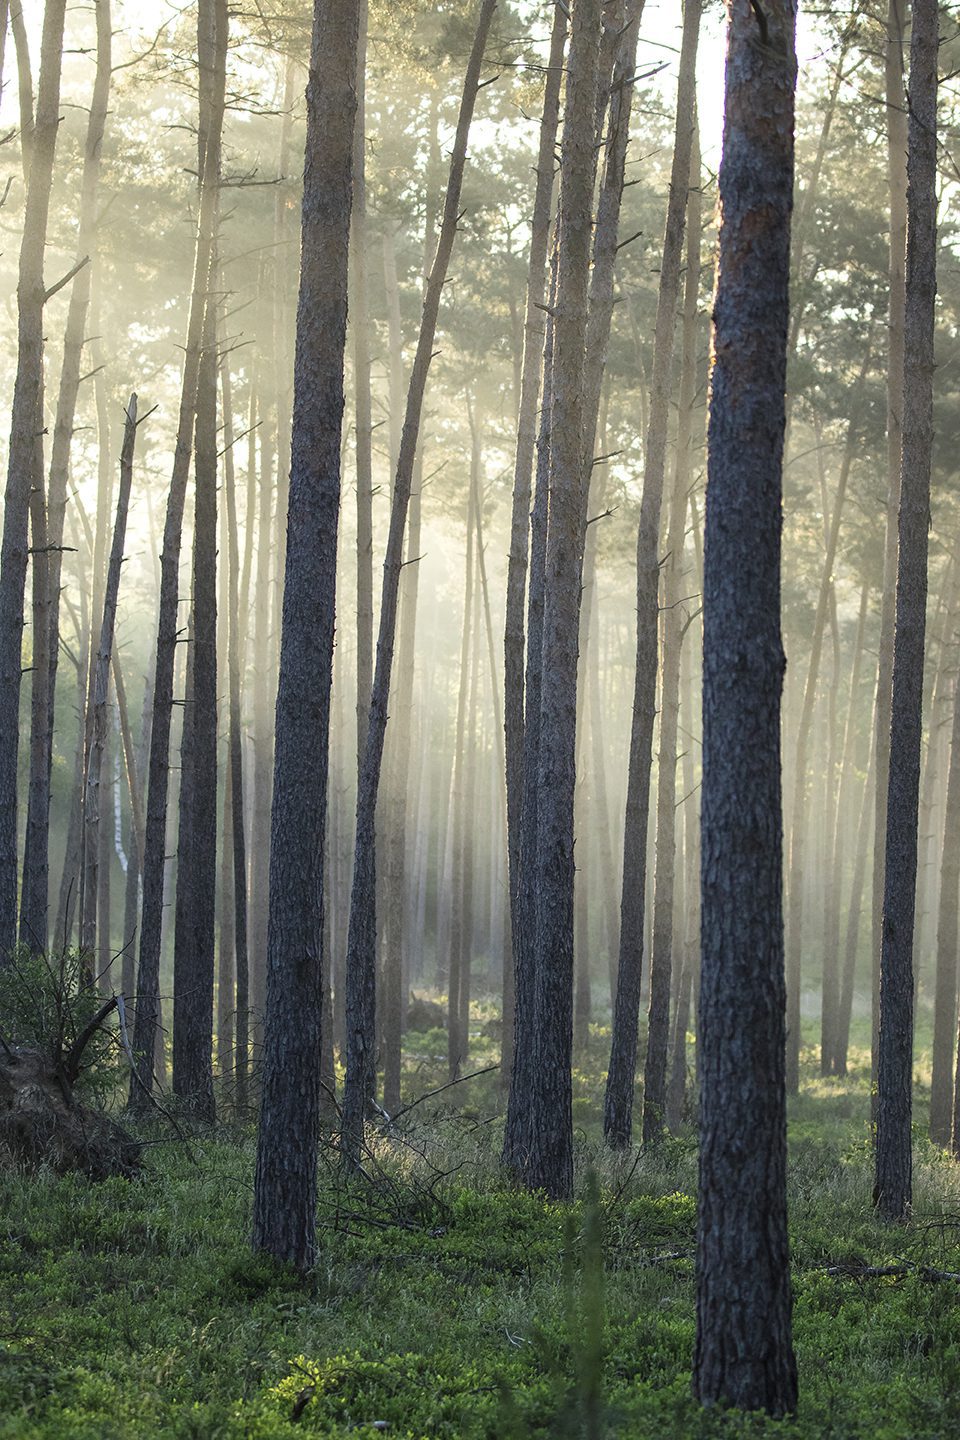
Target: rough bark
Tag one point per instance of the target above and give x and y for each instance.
(893, 1184)
(193, 953)
(362, 931)
(744, 1354)
(285, 1196)
(549, 1156)
(513, 634)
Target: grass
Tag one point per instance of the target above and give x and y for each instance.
(444, 1304)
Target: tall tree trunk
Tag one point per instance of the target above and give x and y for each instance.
(618, 1101)
(744, 1353)
(893, 1185)
(831, 921)
(458, 822)
(75, 337)
(361, 386)
(662, 950)
(362, 934)
(285, 1196)
(852, 937)
(549, 1157)
(896, 112)
(148, 978)
(513, 635)
(236, 630)
(193, 955)
(25, 423)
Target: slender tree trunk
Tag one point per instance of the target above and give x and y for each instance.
(285, 1196)
(25, 423)
(235, 633)
(798, 815)
(513, 638)
(618, 1102)
(945, 998)
(744, 1352)
(662, 950)
(457, 822)
(362, 935)
(832, 982)
(363, 416)
(549, 1159)
(41, 749)
(896, 111)
(893, 1185)
(99, 688)
(852, 937)
(148, 1006)
(193, 957)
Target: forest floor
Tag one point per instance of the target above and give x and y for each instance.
(445, 1304)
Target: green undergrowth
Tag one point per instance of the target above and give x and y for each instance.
(444, 1304)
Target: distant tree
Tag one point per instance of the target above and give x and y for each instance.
(744, 1354)
(285, 1194)
(362, 932)
(618, 1101)
(893, 1186)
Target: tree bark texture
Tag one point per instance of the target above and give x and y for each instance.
(285, 1195)
(549, 1157)
(744, 1353)
(893, 1186)
(530, 376)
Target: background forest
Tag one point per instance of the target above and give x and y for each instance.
(165, 266)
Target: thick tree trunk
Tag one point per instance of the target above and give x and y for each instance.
(362, 935)
(893, 1187)
(285, 1197)
(744, 1353)
(618, 1101)
(25, 423)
